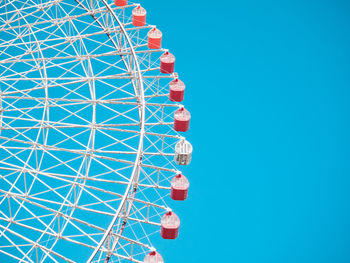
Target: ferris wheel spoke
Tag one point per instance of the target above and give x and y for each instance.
(64, 40)
(121, 88)
(16, 246)
(47, 215)
(11, 76)
(36, 7)
(63, 179)
(58, 235)
(48, 124)
(54, 83)
(98, 204)
(127, 166)
(53, 105)
(30, 171)
(74, 114)
(30, 26)
(147, 182)
(123, 161)
(40, 86)
(67, 137)
(87, 134)
(57, 57)
(78, 101)
(49, 189)
(11, 43)
(60, 214)
(67, 238)
(131, 259)
(144, 221)
(140, 238)
(131, 241)
(74, 79)
(159, 116)
(69, 81)
(153, 146)
(30, 51)
(12, 156)
(71, 9)
(60, 162)
(58, 188)
(44, 102)
(12, 107)
(159, 123)
(10, 254)
(147, 204)
(155, 115)
(49, 203)
(108, 66)
(51, 46)
(117, 142)
(155, 134)
(42, 184)
(168, 76)
(149, 67)
(143, 216)
(127, 249)
(13, 219)
(154, 186)
(158, 201)
(120, 114)
(34, 244)
(126, 255)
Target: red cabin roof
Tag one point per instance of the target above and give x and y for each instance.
(153, 257)
(167, 62)
(170, 224)
(182, 120)
(120, 2)
(176, 90)
(154, 38)
(139, 16)
(179, 187)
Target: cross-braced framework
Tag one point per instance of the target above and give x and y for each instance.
(86, 142)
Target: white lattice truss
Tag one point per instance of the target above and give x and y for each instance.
(86, 139)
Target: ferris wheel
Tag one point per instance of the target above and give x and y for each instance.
(92, 133)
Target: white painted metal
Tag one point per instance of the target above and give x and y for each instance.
(183, 152)
(86, 140)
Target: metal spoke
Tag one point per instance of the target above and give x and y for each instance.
(86, 133)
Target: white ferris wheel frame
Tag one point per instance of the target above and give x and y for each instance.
(138, 79)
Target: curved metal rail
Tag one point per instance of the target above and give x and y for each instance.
(135, 172)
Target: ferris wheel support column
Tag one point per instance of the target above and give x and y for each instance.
(141, 101)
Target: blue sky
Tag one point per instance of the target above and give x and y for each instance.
(268, 90)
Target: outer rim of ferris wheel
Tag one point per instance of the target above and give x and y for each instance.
(139, 93)
(136, 79)
(141, 100)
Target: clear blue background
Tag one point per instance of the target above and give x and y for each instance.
(268, 86)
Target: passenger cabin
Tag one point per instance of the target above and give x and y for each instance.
(179, 187)
(170, 225)
(176, 90)
(183, 152)
(167, 63)
(154, 38)
(139, 16)
(182, 120)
